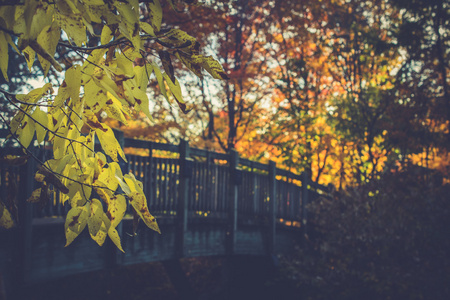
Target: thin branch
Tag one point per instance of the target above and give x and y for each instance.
(46, 127)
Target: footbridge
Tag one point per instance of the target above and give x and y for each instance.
(206, 204)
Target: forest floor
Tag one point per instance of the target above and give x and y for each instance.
(151, 281)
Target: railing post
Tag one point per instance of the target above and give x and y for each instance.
(233, 198)
(183, 197)
(305, 181)
(256, 209)
(272, 206)
(25, 227)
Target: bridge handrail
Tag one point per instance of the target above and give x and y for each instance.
(145, 144)
(196, 184)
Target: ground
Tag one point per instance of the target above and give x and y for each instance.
(252, 278)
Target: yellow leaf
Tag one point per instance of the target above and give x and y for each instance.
(42, 17)
(175, 88)
(45, 55)
(61, 97)
(100, 224)
(27, 133)
(48, 39)
(30, 56)
(73, 25)
(160, 79)
(101, 159)
(94, 2)
(14, 160)
(214, 68)
(60, 143)
(76, 221)
(10, 41)
(19, 25)
(147, 28)
(119, 177)
(60, 164)
(139, 203)
(155, 14)
(36, 94)
(103, 232)
(104, 194)
(106, 35)
(109, 143)
(129, 11)
(7, 13)
(107, 178)
(89, 65)
(131, 182)
(95, 217)
(116, 209)
(35, 196)
(73, 81)
(4, 55)
(6, 220)
(114, 109)
(125, 65)
(178, 38)
(102, 80)
(39, 177)
(115, 238)
(41, 119)
(190, 63)
(92, 121)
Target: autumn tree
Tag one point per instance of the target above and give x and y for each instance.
(103, 53)
(423, 80)
(234, 31)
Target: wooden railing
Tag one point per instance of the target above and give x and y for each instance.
(200, 183)
(245, 204)
(211, 177)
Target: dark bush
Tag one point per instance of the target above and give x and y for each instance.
(389, 239)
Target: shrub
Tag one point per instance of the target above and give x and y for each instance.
(388, 239)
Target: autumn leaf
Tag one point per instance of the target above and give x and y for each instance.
(76, 221)
(14, 160)
(4, 55)
(139, 203)
(6, 220)
(109, 143)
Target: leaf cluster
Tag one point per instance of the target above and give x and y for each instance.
(115, 42)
